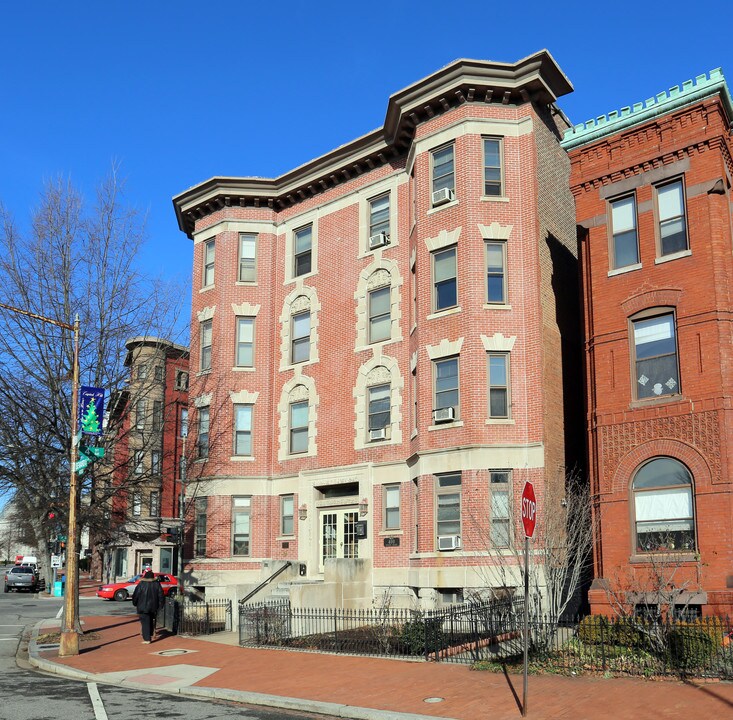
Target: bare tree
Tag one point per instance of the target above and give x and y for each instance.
(74, 259)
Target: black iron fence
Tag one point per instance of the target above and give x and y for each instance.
(191, 617)
(168, 615)
(460, 633)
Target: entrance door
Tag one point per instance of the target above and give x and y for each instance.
(338, 534)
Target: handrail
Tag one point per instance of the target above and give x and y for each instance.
(265, 582)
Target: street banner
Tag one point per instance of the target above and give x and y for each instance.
(91, 410)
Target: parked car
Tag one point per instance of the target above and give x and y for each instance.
(21, 576)
(123, 590)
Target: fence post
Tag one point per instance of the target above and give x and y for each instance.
(602, 623)
(335, 630)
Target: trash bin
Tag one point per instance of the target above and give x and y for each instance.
(58, 588)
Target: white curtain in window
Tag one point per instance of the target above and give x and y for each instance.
(647, 331)
(624, 215)
(672, 504)
(669, 198)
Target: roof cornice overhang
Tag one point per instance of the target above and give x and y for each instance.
(537, 79)
(170, 348)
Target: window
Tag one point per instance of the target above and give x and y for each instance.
(391, 499)
(492, 167)
(155, 462)
(446, 384)
(501, 499)
(209, 252)
(245, 341)
(142, 371)
(206, 330)
(241, 509)
(287, 515)
(157, 415)
(138, 460)
(181, 380)
(301, 338)
(380, 320)
(655, 353)
(445, 293)
(203, 438)
(498, 385)
(379, 410)
(242, 429)
(663, 507)
(184, 422)
(158, 373)
(672, 225)
(448, 504)
(247, 257)
(303, 241)
(625, 245)
(154, 509)
(140, 410)
(137, 504)
(298, 427)
(496, 272)
(199, 539)
(443, 171)
(451, 596)
(379, 215)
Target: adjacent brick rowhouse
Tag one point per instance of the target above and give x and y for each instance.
(684, 137)
(342, 474)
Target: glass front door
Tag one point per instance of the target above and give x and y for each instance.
(338, 534)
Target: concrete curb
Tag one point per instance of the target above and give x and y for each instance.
(349, 712)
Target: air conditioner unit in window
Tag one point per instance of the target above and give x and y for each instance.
(378, 240)
(449, 542)
(446, 414)
(442, 196)
(378, 434)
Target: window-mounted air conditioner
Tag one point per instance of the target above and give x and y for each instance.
(449, 542)
(442, 196)
(446, 414)
(378, 240)
(378, 434)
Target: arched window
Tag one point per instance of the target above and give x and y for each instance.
(663, 507)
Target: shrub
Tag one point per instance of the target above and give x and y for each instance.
(691, 645)
(415, 634)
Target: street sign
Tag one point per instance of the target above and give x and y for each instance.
(529, 509)
(55, 561)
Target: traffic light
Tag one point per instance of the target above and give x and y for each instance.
(174, 534)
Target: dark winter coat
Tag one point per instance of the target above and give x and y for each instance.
(148, 596)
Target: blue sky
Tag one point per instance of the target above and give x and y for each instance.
(180, 91)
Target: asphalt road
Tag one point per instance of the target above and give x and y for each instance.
(27, 694)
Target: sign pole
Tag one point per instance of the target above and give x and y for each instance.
(526, 624)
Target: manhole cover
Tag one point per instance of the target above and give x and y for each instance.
(433, 700)
(180, 651)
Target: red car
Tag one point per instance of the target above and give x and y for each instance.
(123, 590)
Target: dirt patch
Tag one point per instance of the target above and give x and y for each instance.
(55, 638)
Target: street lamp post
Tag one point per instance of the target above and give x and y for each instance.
(69, 635)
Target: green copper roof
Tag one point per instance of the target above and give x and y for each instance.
(692, 90)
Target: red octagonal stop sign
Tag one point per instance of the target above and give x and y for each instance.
(529, 509)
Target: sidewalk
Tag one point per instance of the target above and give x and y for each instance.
(356, 687)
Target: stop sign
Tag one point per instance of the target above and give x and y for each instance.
(529, 509)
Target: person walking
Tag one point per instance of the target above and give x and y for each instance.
(148, 598)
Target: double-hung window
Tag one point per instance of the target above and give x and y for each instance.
(287, 515)
(624, 238)
(199, 537)
(155, 463)
(671, 212)
(301, 338)
(241, 514)
(154, 508)
(157, 415)
(391, 500)
(501, 499)
(655, 356)
(498, 385)
(243, 429)
(206, 340)
(445, 280)
(492, 167)
(496, 272)
(138, 460)
(444, 177)
(247, 257)
(379, 216)
(209, 253)
(380, 319)
(140, 411)
(298, 427)
(446, 385)
(245, 341)
(448, 505)
(303, 242)
(137, 504)
(379, 411)
(203, 434)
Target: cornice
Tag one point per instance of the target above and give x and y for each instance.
(537, 79)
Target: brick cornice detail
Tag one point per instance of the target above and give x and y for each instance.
(648, 297)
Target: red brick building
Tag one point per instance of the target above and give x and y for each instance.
(146, 425)
(385, 347)
(652, 186)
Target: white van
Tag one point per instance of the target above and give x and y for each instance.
(31, 560)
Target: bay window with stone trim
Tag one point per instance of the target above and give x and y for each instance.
(302, 250)
(247, 257)
(206, 342)
(445, 279)
(379, 215)
(654, 348)
(391, 503)
(243, 429)
(298, 427)
(209, 251)
(245, 341)
(241, 525)
(448, 505)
